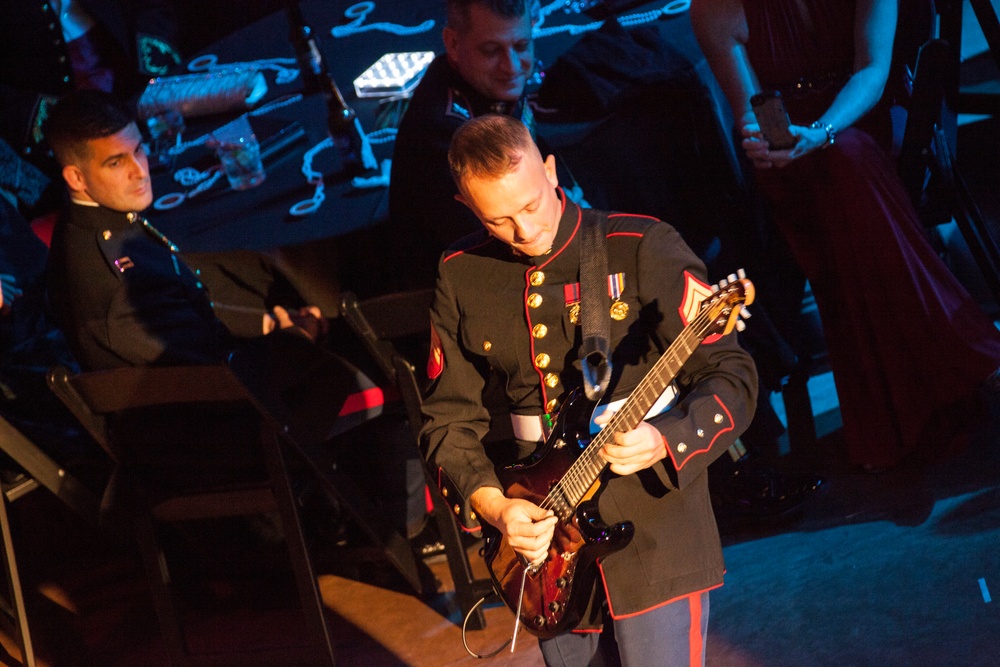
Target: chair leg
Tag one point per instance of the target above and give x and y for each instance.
(158, 578)
(969, 218)
(341, 488)
(14, 587)
(468, 589)
(305, 579)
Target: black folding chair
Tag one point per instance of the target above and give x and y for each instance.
(927, 163)
(381, 323)
(40, 471)
(118, 406)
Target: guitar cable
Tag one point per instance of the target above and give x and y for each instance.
(529, 568)
(465, 623)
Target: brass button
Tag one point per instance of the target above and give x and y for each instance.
(539, 331)
(718, 419)
(444, 491)
(551, 405)
(701, 433)
(457, 509)
(681, 447)
(551, 380)
(487, 346)
(534, 300)
(472, 516)
(542, 360)
(106, 234)
(536, 278)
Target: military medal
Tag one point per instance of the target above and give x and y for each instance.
(616, 285)
(571, 294)
(619, 309)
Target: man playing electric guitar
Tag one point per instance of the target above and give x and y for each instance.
(508, 305)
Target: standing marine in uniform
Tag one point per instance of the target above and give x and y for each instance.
(504, 306)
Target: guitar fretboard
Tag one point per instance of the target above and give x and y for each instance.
(585, 471)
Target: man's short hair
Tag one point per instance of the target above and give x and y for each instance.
(488, 146)
(83, 116)
(458, 10)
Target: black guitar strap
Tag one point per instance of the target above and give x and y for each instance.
(595, 353)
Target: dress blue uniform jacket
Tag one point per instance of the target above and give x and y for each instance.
(124, 298)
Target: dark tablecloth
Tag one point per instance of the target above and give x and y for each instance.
(259, 219)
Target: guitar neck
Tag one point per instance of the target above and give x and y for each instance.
(585, 471)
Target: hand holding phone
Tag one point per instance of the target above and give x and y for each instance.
(773, 120)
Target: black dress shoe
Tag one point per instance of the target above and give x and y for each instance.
(751, 490)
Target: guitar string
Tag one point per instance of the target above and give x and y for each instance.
(687, 337)
(577, 476)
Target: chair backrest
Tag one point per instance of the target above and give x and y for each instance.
(924, 81)
(95, 397)
(383, 322)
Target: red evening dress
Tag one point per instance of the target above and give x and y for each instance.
(907, 344)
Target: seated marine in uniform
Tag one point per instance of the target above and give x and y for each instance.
(489, 57)
(117, 285)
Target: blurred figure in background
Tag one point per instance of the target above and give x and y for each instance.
(907, 344)
(51, 47)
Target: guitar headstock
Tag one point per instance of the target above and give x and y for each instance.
(726, 308)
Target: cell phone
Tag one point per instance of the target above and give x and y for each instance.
(772, 117)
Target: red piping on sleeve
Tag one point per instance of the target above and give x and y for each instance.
(709, 445)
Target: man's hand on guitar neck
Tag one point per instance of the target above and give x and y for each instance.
(633, 450)
(528, 528)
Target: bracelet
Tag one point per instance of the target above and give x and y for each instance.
(831, 133)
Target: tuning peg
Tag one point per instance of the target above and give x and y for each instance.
(741, 273)
(732, 278)
(715, 288)
(744, 313)
(723, 282)
(741, 325)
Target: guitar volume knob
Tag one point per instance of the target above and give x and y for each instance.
(561, 583)
(539, 621)
(555, 607)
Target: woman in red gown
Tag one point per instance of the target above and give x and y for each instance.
(908, 346)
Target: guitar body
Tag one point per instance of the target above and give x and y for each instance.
(556, 593)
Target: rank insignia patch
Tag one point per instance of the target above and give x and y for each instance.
(458, 106)
(695, 292)
(124, 263)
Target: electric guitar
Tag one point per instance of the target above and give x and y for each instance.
(564, 475)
